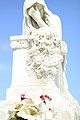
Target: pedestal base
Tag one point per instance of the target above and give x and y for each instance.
(37, 74)
(3, 110)
(14, 93)
(62, 105)
(58, 113)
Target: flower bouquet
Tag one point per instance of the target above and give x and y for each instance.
(28, 110)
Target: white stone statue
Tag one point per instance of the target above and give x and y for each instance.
(39, 67)
(37, 17)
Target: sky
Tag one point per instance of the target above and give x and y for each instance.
(11, 17)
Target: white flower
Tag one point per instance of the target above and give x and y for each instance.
(26, 116)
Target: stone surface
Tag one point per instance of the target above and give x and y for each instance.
(3, 110)
(39, 68)
(31, 81)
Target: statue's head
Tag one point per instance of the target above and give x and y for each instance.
(29, 3)
(40, 4)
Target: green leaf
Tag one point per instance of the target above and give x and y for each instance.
(13, 118)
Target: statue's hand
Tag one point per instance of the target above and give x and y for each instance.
(35, 14)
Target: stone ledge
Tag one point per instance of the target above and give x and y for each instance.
(18, 37)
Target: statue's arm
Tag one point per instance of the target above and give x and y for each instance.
(63, 45)
(35, 14)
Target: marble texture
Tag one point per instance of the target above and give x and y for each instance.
(40, 59)
(39, 68)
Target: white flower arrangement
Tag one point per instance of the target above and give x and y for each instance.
(27, 109)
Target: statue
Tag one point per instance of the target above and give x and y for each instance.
(39, 68)
(37, 16)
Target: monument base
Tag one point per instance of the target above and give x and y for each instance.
(33, 91)
(66, 113)
(3, 110)
(59, 107)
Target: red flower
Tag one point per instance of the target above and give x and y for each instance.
(23, 96)
(43, 98)
(46, 96)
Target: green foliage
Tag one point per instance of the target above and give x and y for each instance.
(13, 116)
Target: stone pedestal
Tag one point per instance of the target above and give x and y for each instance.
(35, 70)
(3, 110)
(23, 81)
